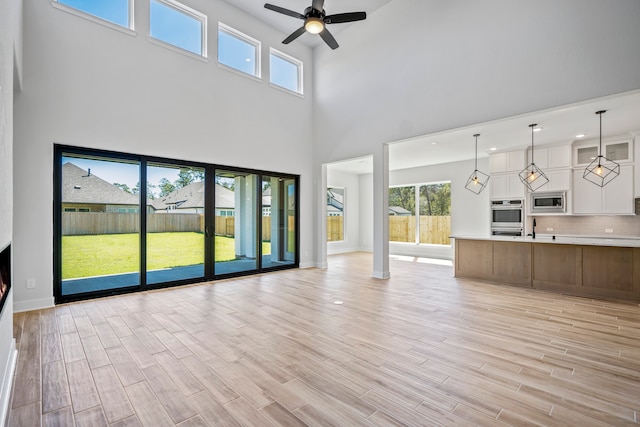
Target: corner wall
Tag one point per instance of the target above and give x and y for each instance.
(92, 86)
(10, 36)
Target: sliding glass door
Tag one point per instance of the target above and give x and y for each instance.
(278, 221)
(175, 222)
(186, 222)
(99, 218)
(236, 242)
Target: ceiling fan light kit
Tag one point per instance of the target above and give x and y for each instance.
(316, 20)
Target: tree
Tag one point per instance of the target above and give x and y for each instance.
(403, 197)
(226, 182)
(188, 175)
(435, 199)
(166, 187)
(123, 187)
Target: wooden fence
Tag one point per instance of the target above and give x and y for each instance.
(433, 229)
(335, 228)
(87, 223)
(82, 223)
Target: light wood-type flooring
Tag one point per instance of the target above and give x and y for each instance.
(419, 349)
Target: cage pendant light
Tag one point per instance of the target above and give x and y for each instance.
(477, 180)
(601, 170)
(532, 176)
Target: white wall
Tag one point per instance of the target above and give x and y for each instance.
(91, 86)
(10, 35)
(417, 67)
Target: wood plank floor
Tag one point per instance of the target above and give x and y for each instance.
(420, 349)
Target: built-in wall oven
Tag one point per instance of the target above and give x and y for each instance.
(507, 217)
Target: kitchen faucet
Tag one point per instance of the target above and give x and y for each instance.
(533, 232)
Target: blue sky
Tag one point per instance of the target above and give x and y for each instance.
(122, 173)
(116, 11)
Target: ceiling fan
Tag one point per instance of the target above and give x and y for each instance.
(315, 21)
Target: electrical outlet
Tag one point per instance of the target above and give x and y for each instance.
(549, 228)
(31, 283)
(608, 230)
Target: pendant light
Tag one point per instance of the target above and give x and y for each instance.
(477, 180)
(601, 170)
(532, 176)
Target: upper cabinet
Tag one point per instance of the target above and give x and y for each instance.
(509, 161)
(617, 149)
(555, 162)
(504, 168)
(615, 198)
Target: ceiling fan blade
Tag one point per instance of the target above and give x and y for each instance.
(318, 5)
(339, 18)
(284, 11)
(328, 39)
(297, 33)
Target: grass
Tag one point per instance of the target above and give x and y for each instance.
(98, 255)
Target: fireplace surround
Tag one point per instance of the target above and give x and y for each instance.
(5, 274)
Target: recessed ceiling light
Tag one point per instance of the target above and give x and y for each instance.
(493, 148)
(434, 143)
(581, 135)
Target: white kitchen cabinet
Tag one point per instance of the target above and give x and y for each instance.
(618, 194)
(617, 149)
(614, 198)
(506, 186)
(553, 157)
(509, 161)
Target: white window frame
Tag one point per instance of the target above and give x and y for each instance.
(130, 29)
(247, 39)
(198, 16)
(299, 65)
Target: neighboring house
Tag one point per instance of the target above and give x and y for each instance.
(335, 201)
(84, 192)
(398, 211)
(190, 199)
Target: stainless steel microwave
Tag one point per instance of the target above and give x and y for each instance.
(549, 202)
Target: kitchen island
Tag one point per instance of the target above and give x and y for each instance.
(587, 266)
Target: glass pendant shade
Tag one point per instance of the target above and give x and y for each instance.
(532, 176)
(477, 180)
(601, 170)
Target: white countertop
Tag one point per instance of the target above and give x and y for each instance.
(631, 242)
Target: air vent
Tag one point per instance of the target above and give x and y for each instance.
(637, 205)
(77, 187)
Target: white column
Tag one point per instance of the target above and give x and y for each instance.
(322, 220)
(381, 213)
(244, 224)
(275, 219)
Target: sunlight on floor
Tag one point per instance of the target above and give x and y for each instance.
(422, 260)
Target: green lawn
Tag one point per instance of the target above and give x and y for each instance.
(97, 255)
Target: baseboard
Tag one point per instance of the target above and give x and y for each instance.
(381, 275)
(308, 264)
(33, 304)
(7, 382)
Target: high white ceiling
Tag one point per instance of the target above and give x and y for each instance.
(559, 125)
(288, 25)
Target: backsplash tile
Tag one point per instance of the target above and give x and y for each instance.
(622, 226)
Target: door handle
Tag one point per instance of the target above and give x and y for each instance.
(208, 231)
